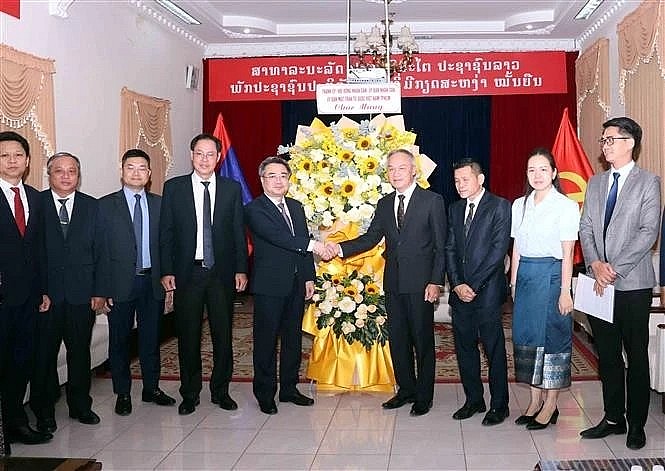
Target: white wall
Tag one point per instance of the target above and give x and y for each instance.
(100, 48)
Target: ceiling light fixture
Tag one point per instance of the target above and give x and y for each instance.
(373, 49)
(588, 9)
(178, 12)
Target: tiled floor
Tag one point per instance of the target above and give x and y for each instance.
(341, 431)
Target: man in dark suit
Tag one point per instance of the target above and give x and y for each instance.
(73, 243)
(131, 225)
(618, 228)
(282, 279)
(204, 259)
(478, 239)
(413, 222)
(22, 285)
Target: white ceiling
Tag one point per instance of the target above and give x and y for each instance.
(278, 27)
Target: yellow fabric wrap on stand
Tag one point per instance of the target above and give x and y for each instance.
(333, 362)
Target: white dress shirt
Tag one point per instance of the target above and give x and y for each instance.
(198, 188)
(69, 205)
(407, 198)
(9, 194)
(623, 174)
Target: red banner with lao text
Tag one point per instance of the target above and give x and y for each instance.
(446, 74)
(11, 7)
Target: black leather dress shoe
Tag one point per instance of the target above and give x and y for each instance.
(496, 416)
(468, 409)
(225, 402)
(47, 425)
(123, 404)
(297, 398)
(268, 407)
(603, 429)
(187, 406)
(157, 396)
(88, 417)
(420, 408)
(636, 438)
(397, 401)
(26, 435)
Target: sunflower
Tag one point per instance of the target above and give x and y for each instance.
(345, 154)
(372, 289)
(364, 143)
(348, 188)
(350, 134)
(351, 291)
(336, 279)
(369, 164)
(327, 189)
(305, 164)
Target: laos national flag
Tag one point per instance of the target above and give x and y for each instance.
(228, 165)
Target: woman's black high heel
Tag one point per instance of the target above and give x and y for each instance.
(527, 419)
(535, 425)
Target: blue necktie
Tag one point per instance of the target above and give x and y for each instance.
(138, 231)
(611, 202)
(208, 251)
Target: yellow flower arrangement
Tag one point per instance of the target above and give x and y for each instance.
(351, 309)
(339, 175)
(339, 171)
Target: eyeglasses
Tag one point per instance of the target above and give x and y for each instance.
(609, 140)
(276, 176)
(205, 155)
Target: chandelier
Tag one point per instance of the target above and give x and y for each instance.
(373, 50)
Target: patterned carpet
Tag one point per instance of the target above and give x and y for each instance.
(584, 362)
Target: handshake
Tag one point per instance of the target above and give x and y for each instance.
(326, 251)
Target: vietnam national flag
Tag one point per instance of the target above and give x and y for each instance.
(228, 165)
(573, 165)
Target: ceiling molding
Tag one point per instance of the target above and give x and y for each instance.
(433, 46)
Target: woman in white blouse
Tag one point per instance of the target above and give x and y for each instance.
(544, 227)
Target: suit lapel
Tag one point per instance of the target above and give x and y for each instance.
(604, 179)
(274, 211)
(188, 204)
(479, 210)
(624, 194)
(390, 207)
(121, 205)
(293, 211)
(33, 202)
(153, 216)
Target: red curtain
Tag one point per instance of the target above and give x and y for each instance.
(521, 123)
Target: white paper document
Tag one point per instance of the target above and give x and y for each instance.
(587, 301)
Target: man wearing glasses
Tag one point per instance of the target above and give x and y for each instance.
(282, 279)
(204, 260)
(619, 226)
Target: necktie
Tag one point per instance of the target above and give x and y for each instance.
(400, 212)
(208, 251)
(138, 231)
(611, 201)
(63, 216)
(282, 209)
(469, 218)
(19, 211)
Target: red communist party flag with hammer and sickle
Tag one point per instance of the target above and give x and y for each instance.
(574, 167)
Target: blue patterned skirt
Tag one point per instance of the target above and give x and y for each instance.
(542, 337)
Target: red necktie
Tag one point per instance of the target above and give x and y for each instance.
(19, 211)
